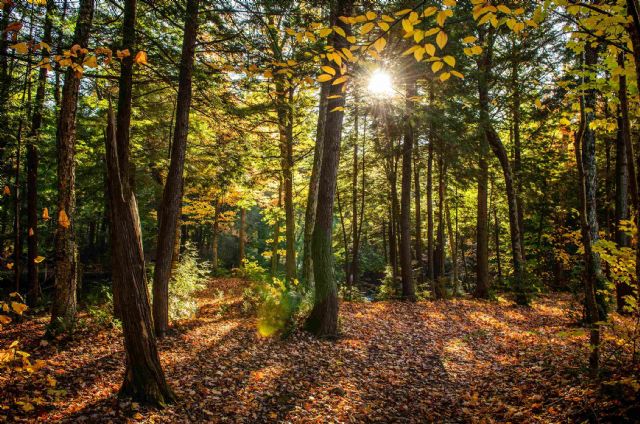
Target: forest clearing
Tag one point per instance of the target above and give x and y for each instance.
(320, 211)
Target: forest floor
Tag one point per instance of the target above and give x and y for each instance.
(446, 361)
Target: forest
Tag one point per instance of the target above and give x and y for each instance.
(307, 211)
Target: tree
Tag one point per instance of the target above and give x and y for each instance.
(63, 312)
(144, 378)
(169, 209)
(323, 320)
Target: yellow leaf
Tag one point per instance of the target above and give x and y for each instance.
(450, 60)
(476, 50)
(431, 31)
(45, 214)
(469, 39)
(324, 32)
(436, 66)
(26, 406)
(407, 26)
(504, 9)
(351, 39)
(6, 191)
(388, 18)
(10, 265)
(5, 319)
(457, 74)
(20, 48)
(410, 50)
(138, 416)
(19, 308)
(63, 219)
(141, 58)
(419, 54)
(441, 39)
(366, 28)
(328, 70)
(123, 53)
(430, 49)
(324, 78)
(380, 44)
(450, 3)
(371, 15)
(403, 12)
(38, 259)
(429, 11)
(339, 31)
(445, 76)
(90, 61)
(339, 80)
(383, 26)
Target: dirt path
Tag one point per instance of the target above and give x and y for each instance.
(453, 361)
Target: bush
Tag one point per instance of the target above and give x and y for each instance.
(276, 302)
(185, 281)
(100, 307)
(389, 288)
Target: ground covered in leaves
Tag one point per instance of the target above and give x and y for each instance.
(447, 361)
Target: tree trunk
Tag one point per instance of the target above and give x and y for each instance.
(215, 235)
(496, 232)
(590, 177)
(242, 235)
(170, 207)
(353, 269)
(34, 292)
(623, 289)
(144, 378)
(591, 260)
(418, 210)
(408, 288)
(517, 150)
(63, 312)
(440, 258)
(323, 320)
(312, 197)
(285, 125)
(275, 259)
(430, 271)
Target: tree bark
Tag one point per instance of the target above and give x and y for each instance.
(170, 207)
(144, 378)
(591, 260)
(63, 312)
(623, 289)
(275, 258)
(430, 270)
(242, 235)
(215, 235)
(408, 288)
(312, 197)
(323, 320)
(34, 292)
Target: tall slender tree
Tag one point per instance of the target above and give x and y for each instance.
(170, 206)
(63, 312)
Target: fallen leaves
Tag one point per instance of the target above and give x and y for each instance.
(453, 361)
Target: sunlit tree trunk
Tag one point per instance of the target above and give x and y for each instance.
(323, 320)
(275, 247)
(63, 310)
(408, 288)
(170, 207)
(312, 197)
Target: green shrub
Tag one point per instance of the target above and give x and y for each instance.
(186, 280)
(389, 288)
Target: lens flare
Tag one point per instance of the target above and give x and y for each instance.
(380, 83)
